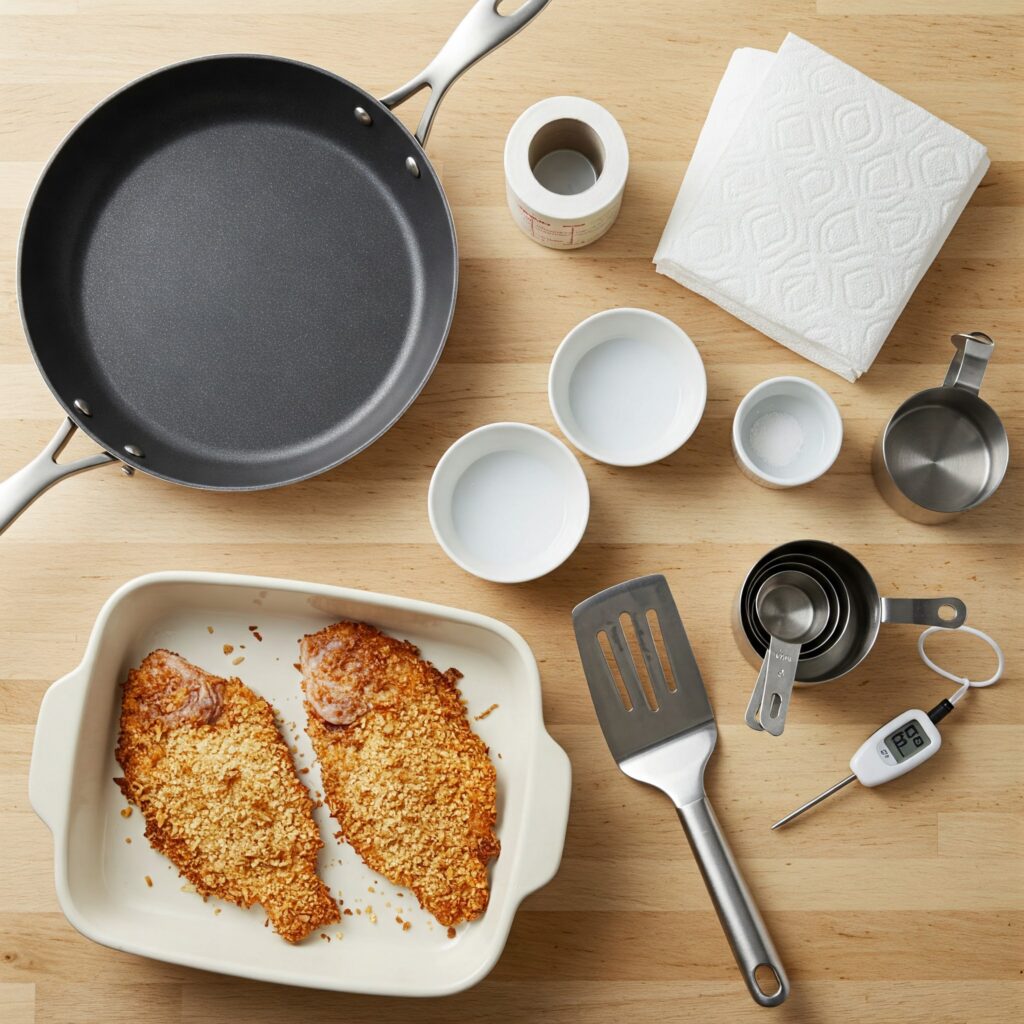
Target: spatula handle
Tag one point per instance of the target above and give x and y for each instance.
(751, 944)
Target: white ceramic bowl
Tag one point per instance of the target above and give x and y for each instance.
(508, 502)
(627, 387)
(786, 432)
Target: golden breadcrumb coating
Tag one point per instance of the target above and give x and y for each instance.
(204, 762)
(408, 780)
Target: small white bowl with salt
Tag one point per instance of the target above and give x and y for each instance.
(786, 432)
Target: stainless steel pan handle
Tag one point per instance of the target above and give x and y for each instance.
(946, 612)
(751, 944)
(20, 490)
(480, 31)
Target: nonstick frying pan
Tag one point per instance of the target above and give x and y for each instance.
(239, 271)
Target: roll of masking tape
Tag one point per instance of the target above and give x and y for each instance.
(566, 162)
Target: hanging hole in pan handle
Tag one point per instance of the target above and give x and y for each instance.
(482, 29)
(943, 612)
(19, 491)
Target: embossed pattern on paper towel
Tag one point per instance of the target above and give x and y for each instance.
(825, 199)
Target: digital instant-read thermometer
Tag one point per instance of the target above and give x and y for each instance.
(892, 751)
(905, 742)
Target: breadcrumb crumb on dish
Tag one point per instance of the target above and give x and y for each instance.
(407, 779)
(206, 765)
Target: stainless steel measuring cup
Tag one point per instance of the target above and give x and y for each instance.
(866, 612)
(944, 450)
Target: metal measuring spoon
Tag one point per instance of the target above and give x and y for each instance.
(793, 608)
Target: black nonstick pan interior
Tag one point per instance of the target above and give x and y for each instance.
(234, 275)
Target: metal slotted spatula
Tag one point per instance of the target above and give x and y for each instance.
(663, 734)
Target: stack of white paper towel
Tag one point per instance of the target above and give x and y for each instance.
(815, 201)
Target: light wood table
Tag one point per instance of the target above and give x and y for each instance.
(901, 904)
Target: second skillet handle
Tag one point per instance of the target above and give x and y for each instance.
(480, 31)
(751, 944)
(20, 490)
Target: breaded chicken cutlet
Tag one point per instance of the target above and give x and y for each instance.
(204, 762)
(410, 784)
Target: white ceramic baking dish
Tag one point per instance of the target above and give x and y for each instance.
(101, 879)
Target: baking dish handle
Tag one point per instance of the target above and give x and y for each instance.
(53, 750)
(548, 796)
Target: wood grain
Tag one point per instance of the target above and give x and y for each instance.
(903, 903)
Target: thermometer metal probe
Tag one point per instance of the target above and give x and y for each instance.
(889, 752)
(909, 738)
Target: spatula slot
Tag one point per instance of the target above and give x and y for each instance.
(633, 643)
(613, 669)
(654, 625)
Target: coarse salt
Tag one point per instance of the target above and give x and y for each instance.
(776, 439)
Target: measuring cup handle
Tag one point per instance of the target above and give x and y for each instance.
(757, 696)
(967, 369)
(751, 944)
(944, 612)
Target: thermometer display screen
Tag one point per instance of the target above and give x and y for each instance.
(907, 741)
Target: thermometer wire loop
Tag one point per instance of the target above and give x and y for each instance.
(965, 683)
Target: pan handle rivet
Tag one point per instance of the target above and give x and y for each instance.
(363, 116)
(82, 406)
(128, 470)
(412, 167)
(134, 449)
